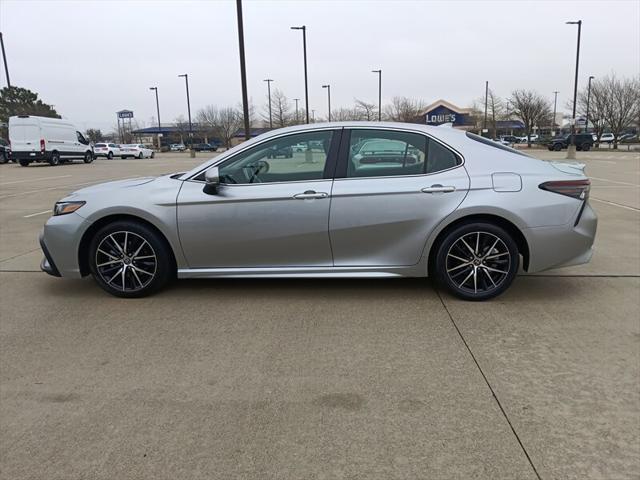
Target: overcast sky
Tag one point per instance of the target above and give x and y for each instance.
(92, 58)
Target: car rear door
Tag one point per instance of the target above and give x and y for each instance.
(267, 212)
(383, 210)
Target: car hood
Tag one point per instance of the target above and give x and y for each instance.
(115, 185)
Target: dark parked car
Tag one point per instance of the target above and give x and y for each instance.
(584, 141)
(204, 147)
(5, 151)
(276, 152)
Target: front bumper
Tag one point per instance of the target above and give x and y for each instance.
(47, 265)
(562, 246)
(60, 242)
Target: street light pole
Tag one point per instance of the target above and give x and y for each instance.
(553, 121)
(268, 80)
(243, 72)
(186, 80)
(313, 119)
(4, 58)
(306, 84)
(296, 100)
(328, 87)
(159, 124)
(571, 150)
(486, 100)
(379, 72)
(588, 100)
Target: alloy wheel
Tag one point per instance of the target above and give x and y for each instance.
(478, 262)
(126, 261)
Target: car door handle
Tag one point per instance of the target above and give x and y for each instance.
(310, 194)
(439, 189)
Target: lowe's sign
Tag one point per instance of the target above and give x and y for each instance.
(442, 114)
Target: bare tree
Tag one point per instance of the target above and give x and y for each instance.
(496, 111)
(94, 135)
(182, 126)
(403, 109)
(223, 123)
(622, 104)
(280, 110)
(532, 108)
(597, 106)
(366, 111)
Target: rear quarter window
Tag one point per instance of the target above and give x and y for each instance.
(491, 143)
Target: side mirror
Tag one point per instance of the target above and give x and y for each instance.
(212, 181)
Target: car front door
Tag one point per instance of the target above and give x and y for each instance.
(271, 208)
(391, 190)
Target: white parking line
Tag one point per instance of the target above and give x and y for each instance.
(36, 214)
(615, 181)
(626, 207)
(64, 186)
(34, 179)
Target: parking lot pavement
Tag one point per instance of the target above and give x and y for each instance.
(318, 378)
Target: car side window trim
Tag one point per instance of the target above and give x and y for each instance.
(341, 170)
(329, 167)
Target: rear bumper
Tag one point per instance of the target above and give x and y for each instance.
(562, 246)
(31, 156)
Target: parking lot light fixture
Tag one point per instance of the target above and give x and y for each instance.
(243, 72)
(379, 72)
(328, 87)
(186, 80)
(159, 124)
(571, 150)
(268, 80)
(306, 83)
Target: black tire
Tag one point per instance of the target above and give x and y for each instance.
(586, 147)
(136, 283)
(482, 274)
(153, 154)
(24, 163)
(3, 157)
(54, 159)
(110, 156)
(140, 156)
(557, 147)
(88, 157)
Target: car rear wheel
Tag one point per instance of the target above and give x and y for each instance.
(24, 163)
(129, 259)
(109, 155)
(557, 147)
(140, 155)
(153, 154)
(54, 159)
(3, 157)
(586, 147)
(88, 157)
(476, 261)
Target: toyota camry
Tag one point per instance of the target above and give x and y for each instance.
(352, 200)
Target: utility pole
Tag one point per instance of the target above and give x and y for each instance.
(296, 100)
(328, 87)
(486, 101)
(571, 150)
(314, 116)
(159, 124)
(191, 151)
(553, 122)
(243, 72)
(4, 58)
(268, 80)
(379, 72)
(306, 84)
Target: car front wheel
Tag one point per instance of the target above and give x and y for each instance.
(476, 261)
(129, 259)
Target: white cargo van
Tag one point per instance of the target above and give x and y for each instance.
(42, 139)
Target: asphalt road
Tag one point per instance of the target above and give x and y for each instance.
(360, 379)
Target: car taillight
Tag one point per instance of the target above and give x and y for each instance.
(42, 144)
(578, 189)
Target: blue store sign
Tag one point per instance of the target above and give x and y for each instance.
(442, 114)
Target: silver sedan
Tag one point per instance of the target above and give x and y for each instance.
(352, 200)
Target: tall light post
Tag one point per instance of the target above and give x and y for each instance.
(306, 84)
(4, 58)
(379, 72)
(555, 103)
(571, 150)
(486, 102)
(186, 81)
(296, 100)
(243, 72)
(588, 100)
(268, 80)
(313, 119)
(328, 87)
(159, 124)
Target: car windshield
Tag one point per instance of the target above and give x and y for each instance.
(100, 145)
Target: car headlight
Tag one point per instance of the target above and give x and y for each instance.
(63, 208)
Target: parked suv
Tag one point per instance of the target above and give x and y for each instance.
(5, 151)
(107, 150)
(584, 141)
(606, 138)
